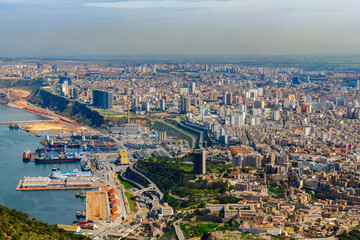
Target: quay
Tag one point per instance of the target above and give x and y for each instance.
(46, 183)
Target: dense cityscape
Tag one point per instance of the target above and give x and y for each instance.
(196, 151)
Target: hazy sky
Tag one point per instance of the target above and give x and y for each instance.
(215, 27)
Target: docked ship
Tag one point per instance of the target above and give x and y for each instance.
(65, 175)
(13, 126)
(78, 213)
(27, 155)
(64, 156)
(85, 164)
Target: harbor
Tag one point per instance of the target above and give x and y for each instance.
(70, 149)
(53, 207)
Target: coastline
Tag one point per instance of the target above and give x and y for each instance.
(54, 123)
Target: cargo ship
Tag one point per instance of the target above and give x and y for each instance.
(27, 155)
(65, 156)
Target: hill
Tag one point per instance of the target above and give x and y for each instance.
(17, 225)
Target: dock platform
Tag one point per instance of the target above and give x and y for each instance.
(44, 188)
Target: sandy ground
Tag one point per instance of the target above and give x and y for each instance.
(57, 125)
(97, 205)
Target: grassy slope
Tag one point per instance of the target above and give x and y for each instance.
(17, 225)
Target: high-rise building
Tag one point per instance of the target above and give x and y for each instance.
(229, 99)
(74, 93)
(192, 87)
(184, 90)
(259, 104)
(238, 160)
(64, 88)
(103, 99)
(162, 136)
(252, 160)
(184, 104)
(275, 116)
(199, 161)
(145, 106)
(225, 98)
(135, 104)
(162, 104)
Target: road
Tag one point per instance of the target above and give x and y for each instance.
(150, 194)
(112, 169)
(182, 131)
(201, 138)
(109, 178)
(178, 231)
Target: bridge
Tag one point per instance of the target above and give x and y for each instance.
(24, 122)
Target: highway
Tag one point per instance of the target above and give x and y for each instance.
(109, 177)
(182, 131)
(150, 194)
(201, 138)
(178, 231)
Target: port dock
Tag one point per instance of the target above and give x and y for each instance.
(46, 183)
(19, 188)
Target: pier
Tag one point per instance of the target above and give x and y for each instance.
(20, 187)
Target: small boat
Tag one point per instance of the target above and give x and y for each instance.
(55, 168)
(27, 155)
(77, 194)
(83, 213)
(83, 194)
(78, 213)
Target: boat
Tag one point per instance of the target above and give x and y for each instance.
(65, 175)
(55, 169)
(27, 155)
(83, 194)
(13, 126)
(78, 213)
(77, 194)
(83, 213)
(56, 156)
(85, 164)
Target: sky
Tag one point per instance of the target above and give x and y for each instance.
(58, 28)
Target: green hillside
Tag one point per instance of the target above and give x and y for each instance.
(17, 225)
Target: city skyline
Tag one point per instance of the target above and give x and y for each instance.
(87, 28)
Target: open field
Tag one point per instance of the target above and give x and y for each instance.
(55, 126)
(97, 205)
